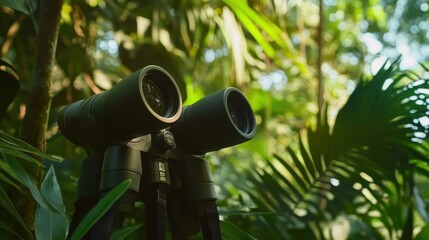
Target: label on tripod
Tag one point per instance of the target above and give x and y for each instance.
(162, 172)
(161, 166)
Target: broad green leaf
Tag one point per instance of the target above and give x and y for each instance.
(30, 183)
(99, 210)
(50, 224)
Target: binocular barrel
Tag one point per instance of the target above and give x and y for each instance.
(222, 119)
(146, 101)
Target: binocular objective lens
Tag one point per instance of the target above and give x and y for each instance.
(154, 96)
(237, 116)
(233, 115)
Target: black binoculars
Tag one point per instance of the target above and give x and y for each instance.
(149, 100)
(140, 121)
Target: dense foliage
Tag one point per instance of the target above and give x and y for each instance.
(341, 149)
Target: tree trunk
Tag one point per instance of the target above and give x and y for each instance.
(37, 110)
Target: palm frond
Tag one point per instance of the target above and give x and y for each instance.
(362, 164)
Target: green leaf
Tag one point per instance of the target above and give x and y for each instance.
(19, 5)
(277, 193)
(7, 204)
(270, 28)
(99, 210)
(262, 195)
(420, 205)
(5, 226)
(123, 233)
(260, 200)
(254, 21)
(6, 168)
(231, 231)
(423, 234)
(296, 177)
(50, 224)
(29, 182)
(193, 93)
(12, 143)
(309, 163)
(295, 194)
(8, 181)
(251, 27)
(21, 155)
(299, 166)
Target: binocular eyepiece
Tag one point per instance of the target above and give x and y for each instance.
(148, 101)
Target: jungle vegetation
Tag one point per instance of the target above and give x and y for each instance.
(340, 91)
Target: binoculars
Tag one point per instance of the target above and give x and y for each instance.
(140, 121)
(149, 100)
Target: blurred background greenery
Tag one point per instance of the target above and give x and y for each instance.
(298, 62)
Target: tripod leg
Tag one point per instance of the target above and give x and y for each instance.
(87, 190)
(210, 224)
(82, 208)
(120, 163)
(195, 197)
(105, 225)
(103, 228)
(156, 184)
(156, 213)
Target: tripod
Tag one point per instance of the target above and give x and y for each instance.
(173, 185)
